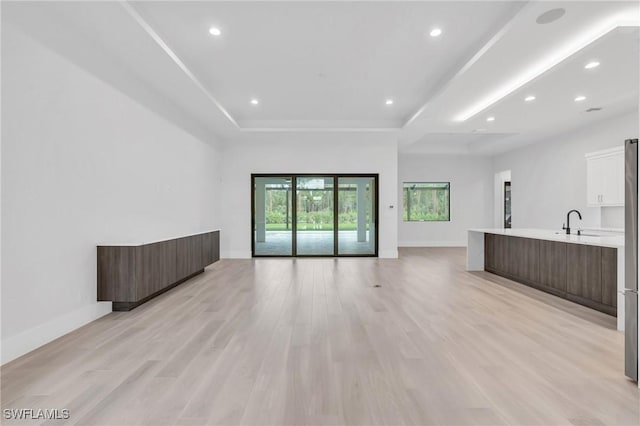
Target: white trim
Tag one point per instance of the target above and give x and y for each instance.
(605, 152)
(484, 49)
(131, 10)
(241, 254)
(555, 58)
(432, 244)
(319, 129)
(20, 344)
(388, 254)
(236, 254)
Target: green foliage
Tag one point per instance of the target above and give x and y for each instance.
(315, 209)
(426, 202)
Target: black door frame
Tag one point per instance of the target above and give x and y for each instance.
(294, 211)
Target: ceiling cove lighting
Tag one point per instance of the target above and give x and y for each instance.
(254, 101)
(436, 32)
(214, 31)
(591, 65)
(530, 98)
(491, 119)
(627, 18)
(388, 102)
(580, 98)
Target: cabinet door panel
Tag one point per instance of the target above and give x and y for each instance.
(523, 258)
(553, 265)
(184, 257)
(489, 251)
(530, 268)
(501, 253)
(197, 263)
(189, 256)
(613, 179)
(605, 179)
(152, 276)
(169, 263)
(216, 246)
(595, 185)
(514, 248)
(158, 267)
(610, 276)
(584, 271)
(207, 249)
(118, 273)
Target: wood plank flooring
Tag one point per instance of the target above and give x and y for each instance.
(314, 342)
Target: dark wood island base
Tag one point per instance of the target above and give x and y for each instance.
(584, 274)
(131, 275)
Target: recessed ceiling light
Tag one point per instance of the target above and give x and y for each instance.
(530, 98)
(580, 98)
(215, 31)
(592, 65)
(435, 32)
(491, 119)
(254, 102)
(389, 102)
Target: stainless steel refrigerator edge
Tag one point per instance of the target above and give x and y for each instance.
(631, 260)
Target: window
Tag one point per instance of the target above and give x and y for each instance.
(426, 201)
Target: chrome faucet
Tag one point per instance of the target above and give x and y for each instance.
(568, 227)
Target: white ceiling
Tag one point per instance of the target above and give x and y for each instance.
(330, 66)
(324, 64)
(614, 85)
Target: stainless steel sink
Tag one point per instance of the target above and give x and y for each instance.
(582, 234)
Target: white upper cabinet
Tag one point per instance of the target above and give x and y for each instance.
(605, 178)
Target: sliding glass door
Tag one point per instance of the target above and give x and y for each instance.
(314, 215)
(272, 224)
(356, 216)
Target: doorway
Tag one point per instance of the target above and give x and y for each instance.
(507, 205)
(502, 199)
(314, 215)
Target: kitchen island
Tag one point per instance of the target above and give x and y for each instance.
(588, 270)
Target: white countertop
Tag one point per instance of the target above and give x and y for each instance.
(614, 241)
(153, 242)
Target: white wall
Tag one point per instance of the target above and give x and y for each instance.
(549, 178)
(306, 153)
(471, 180)
(82, 164)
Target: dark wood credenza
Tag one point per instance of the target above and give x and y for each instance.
(129, 275)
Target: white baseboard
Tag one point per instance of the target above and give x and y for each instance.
(432, 243)
(388, 254)
(236, 254)
(239, 254)
(18, 345)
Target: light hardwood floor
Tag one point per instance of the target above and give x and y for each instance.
(314, 342)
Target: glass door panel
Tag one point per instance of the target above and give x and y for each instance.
(356, 216)
(272, 216)
(315, 216)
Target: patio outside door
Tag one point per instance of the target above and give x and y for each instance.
(356, 216)
(273, 223)
(314, 215)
